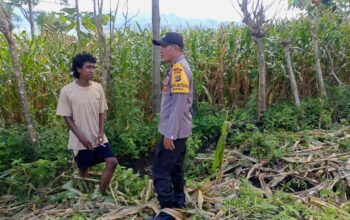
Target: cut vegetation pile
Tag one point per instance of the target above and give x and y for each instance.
(311, 180)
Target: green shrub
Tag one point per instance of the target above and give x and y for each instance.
(282, 115)
(53, 142)
(252, 204)
(193, 144)
(24, 178)
(313, 114)
(207, 123)
(268, 145)
(339, 102)
(127, 130)
(344, 144)
(129, 182)
(14, 145)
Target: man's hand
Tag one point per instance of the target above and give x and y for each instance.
(81, 137)
(168, 144)
(87, 144)
(99, 139)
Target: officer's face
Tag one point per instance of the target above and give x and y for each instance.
(168, 53)
(87, 71)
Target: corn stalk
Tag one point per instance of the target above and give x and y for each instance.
(219, 152)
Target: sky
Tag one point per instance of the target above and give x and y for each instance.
(222, 10)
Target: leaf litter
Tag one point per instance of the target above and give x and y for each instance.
(318, 161)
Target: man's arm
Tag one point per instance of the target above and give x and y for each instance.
(74, 128)
(101, 122)
(178, 104)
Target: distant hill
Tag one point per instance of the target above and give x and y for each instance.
(175, 21)
(172, 21)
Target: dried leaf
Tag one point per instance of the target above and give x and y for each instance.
(200, 200)
(265, 187)
(277, 179)
(149, 190)
(177, 215)
(254, 168)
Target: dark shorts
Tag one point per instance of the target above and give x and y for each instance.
(88, 158)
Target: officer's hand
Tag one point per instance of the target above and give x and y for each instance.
(168, 144)
(87, 144)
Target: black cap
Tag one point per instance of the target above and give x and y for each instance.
(170, 38)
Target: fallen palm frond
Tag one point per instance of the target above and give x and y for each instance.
(315, 172)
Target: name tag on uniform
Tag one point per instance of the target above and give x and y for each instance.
(179, 80)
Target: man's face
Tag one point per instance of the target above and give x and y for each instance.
(87, 71)
(167, 53)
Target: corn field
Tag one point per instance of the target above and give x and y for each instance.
(223, 62)
(295, 165)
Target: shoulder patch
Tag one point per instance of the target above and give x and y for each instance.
(179, 80)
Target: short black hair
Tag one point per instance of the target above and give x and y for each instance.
(78, 62)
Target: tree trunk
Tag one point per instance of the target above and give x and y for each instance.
(112, 32)
(317, 59)
(331, 66)
(293, 83)
(94, 13)
(105, 63)
(258, 32)
(6, 29)
(78, 23)
(262, 78)
(31, 19)
(156, 90)
(104, 56)
(110, 27)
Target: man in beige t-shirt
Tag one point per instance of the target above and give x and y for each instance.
(83, 103)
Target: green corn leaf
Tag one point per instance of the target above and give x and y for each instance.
(219, 153)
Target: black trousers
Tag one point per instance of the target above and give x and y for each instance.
(168, 172)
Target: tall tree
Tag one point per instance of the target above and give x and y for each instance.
(112, 20)
(77, 14)
(31, 18)
(96, 23)
(314, 36)
(28, 14)
(6, 29)
(293, 82)
(156, 59)
(313, 8)
(258, 31)
(51, 21)
(331, 65)
(104, 54)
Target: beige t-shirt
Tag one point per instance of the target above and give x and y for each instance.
(84, 104)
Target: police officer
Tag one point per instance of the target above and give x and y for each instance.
(175, 124)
